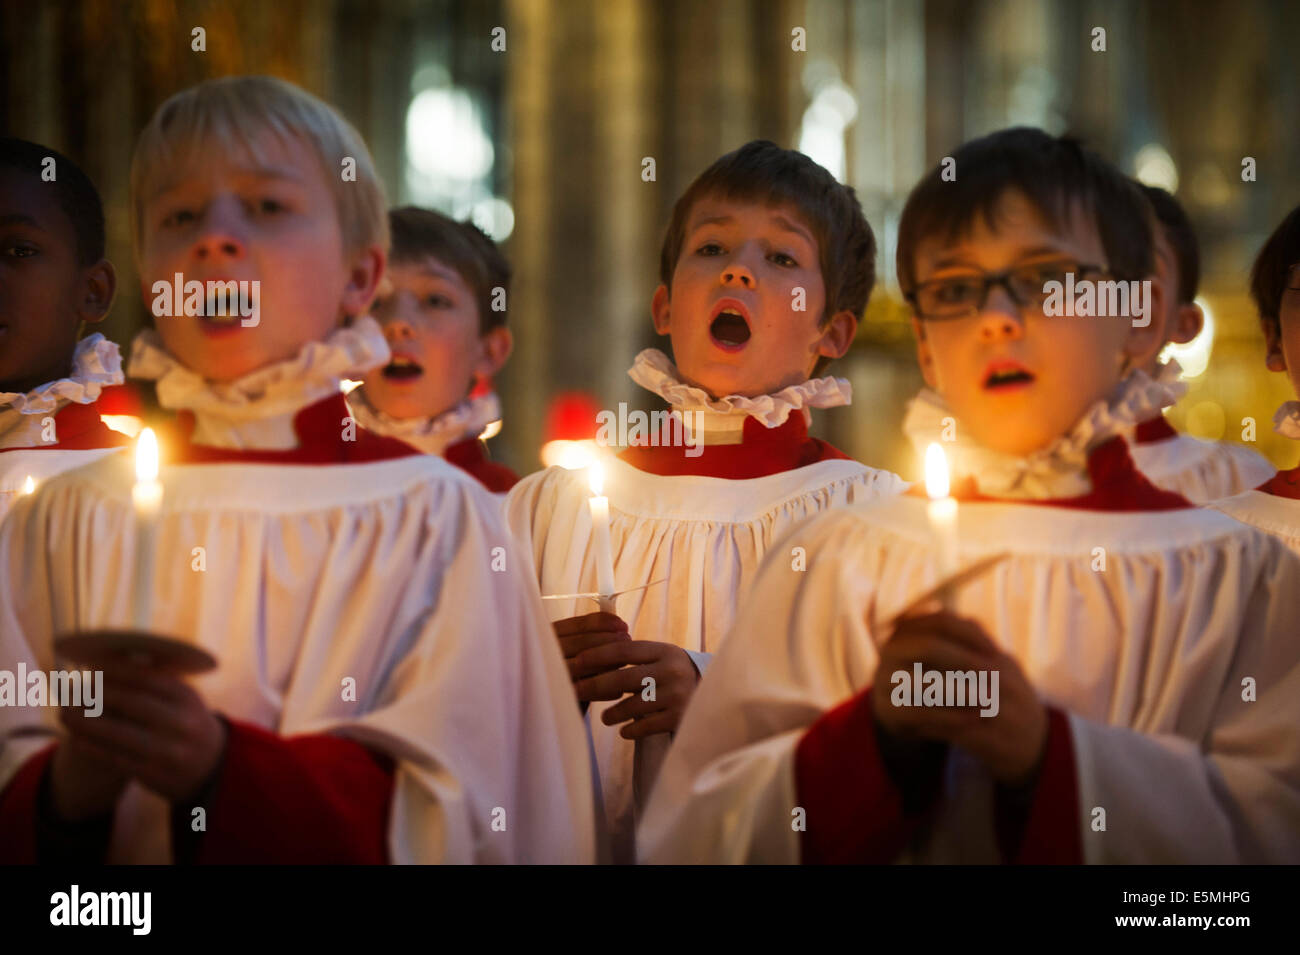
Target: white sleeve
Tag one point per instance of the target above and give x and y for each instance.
(799, 647)
(1231, 797)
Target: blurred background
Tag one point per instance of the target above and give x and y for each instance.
(543, 143)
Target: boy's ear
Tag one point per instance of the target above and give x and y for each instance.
(659, 309)
(367, 270)
(98, 288)
(838, 335)
(1188, 322)
(924, 358)
(497, 345)
(1274, 358)
(1143, 343)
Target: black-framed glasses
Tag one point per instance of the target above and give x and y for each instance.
(959, 296)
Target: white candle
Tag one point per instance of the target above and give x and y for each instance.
(146, 495)
(602, 552)
(29, 486)
(942, 511)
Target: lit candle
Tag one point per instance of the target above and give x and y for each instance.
(146, 495)
(942, 511)
(29, 486)
(602, 551)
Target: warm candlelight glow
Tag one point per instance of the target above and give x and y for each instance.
(570, 455)
(29, 486)
(146, 457)
(936, 472)
(596, 475)
(349, 385)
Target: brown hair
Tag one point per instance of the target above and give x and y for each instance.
(761, 171)
(420, 233)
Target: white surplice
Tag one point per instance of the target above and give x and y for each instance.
(398, 574)
(96, 364)
(1147, 656)
(1274, 514)
(1199, 470)
(703, 536)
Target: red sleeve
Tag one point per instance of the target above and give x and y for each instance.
(300, 799)
(18, 810)
(1047, 831)
(855, 812)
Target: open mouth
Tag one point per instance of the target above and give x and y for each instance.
(402, 368)
(1006, 376)
(730, 327)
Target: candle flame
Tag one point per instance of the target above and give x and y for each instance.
(936, 472)
(146, 457)
(29, 486)
(596, 475)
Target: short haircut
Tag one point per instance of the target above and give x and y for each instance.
(1268, 277)
(75, 193)
(423, 233)
(1181, 237)
(231, 114)
(761, 171)
(1054, 173)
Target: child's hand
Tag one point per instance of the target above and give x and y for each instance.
(626, 665)
(155, 728)
(1011, 743)
(83, 785)
(580, 636)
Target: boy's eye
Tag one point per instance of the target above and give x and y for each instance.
(271, 207)
(178, 218)
(20, 251)
(956, 291)
(437, 301)
(780, 258)
(709, 248)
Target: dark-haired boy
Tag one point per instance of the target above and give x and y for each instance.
(1274, 506)
(1199, 470)
(1119, 687)
(442, 306)
(766, 269)
(54, 279)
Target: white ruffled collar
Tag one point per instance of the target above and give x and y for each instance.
(717, 418)
(431, 435)
(96, 364)
(256, 412)
(1057, 470)
(1286, 421)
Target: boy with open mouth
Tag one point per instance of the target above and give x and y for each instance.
(381, 694)
(1145, 648)
(442, 307)
(765, 272)
(54, 280)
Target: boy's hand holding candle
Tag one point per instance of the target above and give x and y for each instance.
(1010, 743)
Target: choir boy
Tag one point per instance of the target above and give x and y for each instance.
(387, 685)
(765, 272)
(442, 306)
(1121, 685)
(54, 280)
(1199, 470)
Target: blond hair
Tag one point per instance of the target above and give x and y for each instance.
(234, 113)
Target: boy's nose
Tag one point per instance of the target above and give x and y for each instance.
(397, 328)
(1000, 317)
(734, 273)
(218, 238)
